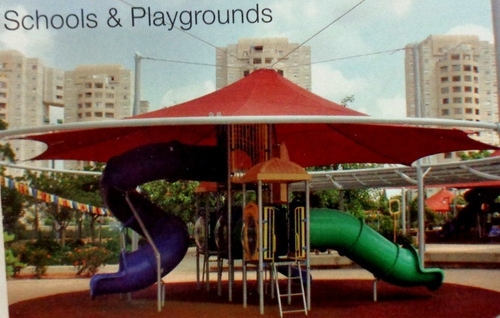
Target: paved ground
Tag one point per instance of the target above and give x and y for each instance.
(23, 289)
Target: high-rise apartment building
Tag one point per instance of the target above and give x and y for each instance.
(98, 92)
(27, 90)
(238, 60)
(454, 77)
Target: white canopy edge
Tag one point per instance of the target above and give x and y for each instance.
(226, 120)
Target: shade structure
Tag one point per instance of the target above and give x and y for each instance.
(440, 201)
(266, 94)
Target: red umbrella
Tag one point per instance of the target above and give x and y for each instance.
(265, 93)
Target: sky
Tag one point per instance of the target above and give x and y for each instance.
(113, 31)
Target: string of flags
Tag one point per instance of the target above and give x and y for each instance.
(51, 198)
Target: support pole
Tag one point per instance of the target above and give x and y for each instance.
(403, 210)
(421, 213)
(137, 84)
(229, 218)
(260, 270)
(4, 304)
(155, 250)
(308, 246)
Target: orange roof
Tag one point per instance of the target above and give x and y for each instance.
(275, 170)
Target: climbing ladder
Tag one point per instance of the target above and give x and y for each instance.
(290, 287)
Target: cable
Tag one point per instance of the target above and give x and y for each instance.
(317, 33)
(192, 35)
(359, 55)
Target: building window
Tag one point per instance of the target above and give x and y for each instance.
(468, 100)
(445, 112)
(468, 78)
(99, 85)
(477, 111)
(448, 155)
(444, 69)
(476, 69)
(257, 60)
(3, 95)
(444, 79)
(445, 90)
(468, 89)
(109, 115)
(109, 105)
(246, 73)
(268, 60)
(457, 100)
(88, 105)
(467, 68)
(455, 57)
(455, 67)
(88, 85)
(445, 101)
(457, 111)
(456, 89)
(468, 110)
(456, 78)
(88, 95)
(98, 114)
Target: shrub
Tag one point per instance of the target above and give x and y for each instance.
(12, 262)
(89, 259)
(40, 259)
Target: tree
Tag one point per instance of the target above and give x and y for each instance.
(177, 197)
(12, 209)
(346, 100)
(354, 201)
(80, 188)
(471, 155)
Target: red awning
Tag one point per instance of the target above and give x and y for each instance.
(265, 93)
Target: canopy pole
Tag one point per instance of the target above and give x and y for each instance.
(137, 84)
(4, 304)
(421, 214)
(403, 210)
(229, 217)
(260, 271)
(308, 245)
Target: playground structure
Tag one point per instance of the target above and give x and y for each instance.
(277, 235)
(230, 149)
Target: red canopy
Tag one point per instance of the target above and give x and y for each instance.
(440, 202)
(265, 93)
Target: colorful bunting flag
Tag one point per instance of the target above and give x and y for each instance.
(50, 198)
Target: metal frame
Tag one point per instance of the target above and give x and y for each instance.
(155, 250)
(226, 120)
(261, 266)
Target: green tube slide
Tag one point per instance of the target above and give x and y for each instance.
(386, 260)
